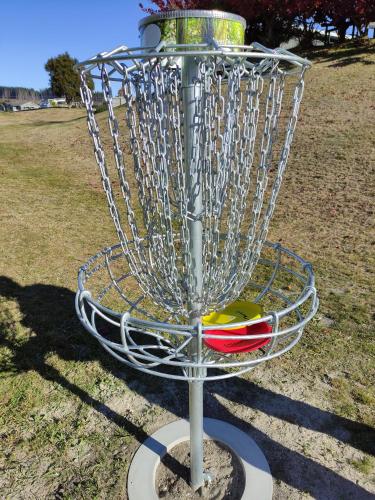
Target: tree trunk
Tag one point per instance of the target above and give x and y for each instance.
(270, 34)
(342, 26)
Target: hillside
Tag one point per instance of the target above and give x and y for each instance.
(71, 417)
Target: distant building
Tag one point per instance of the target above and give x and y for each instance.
(54, 102)
(12, 105)
(371, 28)
(25, 106)
(17, 105)
(118, 101)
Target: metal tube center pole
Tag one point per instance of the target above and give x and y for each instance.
(196, 435)
(191, 94)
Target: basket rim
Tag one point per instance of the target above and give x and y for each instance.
(141, 55)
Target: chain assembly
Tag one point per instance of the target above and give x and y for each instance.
(241, 131)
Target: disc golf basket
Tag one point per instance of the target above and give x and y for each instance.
(191, 156)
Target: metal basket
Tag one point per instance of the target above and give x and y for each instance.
(191, 155)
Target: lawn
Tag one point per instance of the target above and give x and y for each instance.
(71, 418)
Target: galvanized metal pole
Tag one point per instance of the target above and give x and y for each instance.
(196, 435)
(193, 185)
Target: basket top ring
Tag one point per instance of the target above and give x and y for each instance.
(189, 13)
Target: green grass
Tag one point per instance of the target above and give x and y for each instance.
(70, 416)
(364, 465)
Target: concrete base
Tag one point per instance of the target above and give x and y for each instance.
(142, 472)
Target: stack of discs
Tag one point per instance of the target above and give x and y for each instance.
(234, 313)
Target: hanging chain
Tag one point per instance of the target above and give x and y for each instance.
(238, 107)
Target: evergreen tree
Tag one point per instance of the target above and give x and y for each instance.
(64, 79)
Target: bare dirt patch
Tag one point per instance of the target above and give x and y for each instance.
(227, 474)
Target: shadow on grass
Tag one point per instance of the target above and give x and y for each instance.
(349, 53)
(351, 60)
(49, 312)
(41, 123)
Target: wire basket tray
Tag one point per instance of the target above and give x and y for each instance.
(142, 338)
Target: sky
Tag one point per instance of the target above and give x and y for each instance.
(32, 31)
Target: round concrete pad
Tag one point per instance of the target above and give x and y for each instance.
(142, 472)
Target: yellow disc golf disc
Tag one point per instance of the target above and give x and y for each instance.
(234, 313)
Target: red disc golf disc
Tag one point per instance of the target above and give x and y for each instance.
(237, 345)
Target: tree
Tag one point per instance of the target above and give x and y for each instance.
(274, 21)
(64, 79)
(268, 21)
(345, 13)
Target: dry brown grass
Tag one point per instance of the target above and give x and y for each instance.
(70, 423)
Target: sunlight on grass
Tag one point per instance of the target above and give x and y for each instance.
(61, 395)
